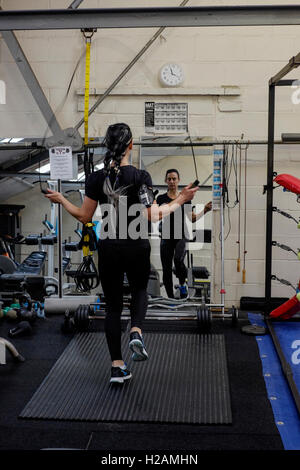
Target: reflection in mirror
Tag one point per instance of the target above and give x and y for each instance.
(192, 161)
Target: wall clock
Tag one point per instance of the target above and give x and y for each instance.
(171, 75)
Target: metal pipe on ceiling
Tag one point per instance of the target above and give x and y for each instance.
(163, 144)
(262, 15)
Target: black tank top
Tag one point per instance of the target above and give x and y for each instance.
(126, 185)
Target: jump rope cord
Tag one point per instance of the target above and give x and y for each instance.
(245, 220)
(245, 149)
(233, 165)
(239, 212)
(229, 167)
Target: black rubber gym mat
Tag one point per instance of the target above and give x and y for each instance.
(185, 380)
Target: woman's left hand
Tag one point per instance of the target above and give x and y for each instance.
(208, 207)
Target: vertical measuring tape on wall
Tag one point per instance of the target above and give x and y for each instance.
(87, 91)
(87, 33)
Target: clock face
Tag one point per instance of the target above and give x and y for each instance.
(171, 75)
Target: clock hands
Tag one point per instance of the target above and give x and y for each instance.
(173, 73)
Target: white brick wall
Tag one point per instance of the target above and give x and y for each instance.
(245, 57)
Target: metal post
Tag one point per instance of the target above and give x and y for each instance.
(52, 185)
(269, 221)
(59, 243)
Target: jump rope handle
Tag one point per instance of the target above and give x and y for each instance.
(238, 265)
(244, 276)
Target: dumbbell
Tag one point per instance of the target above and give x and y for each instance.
(25, 301)
(78, 321)
(82, 317)
(22, 329)
(9, 313)
(18, 314)
(68, 324)
(26, 315)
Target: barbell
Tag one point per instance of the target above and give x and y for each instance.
(80, 319)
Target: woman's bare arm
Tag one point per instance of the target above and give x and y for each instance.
(156, 212)
(194, 217)
(84, 213)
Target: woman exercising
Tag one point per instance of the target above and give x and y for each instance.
(173, 239)
(118, 186)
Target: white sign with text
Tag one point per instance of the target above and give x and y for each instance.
(61, 163)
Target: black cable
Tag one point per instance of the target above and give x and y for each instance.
(229, 167)
(193, 153)
(86, 277)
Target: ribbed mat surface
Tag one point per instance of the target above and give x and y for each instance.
(185, 380)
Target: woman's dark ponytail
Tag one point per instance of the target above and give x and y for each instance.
(118, 137)
(109, 157)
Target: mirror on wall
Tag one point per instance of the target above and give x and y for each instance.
(157, 156)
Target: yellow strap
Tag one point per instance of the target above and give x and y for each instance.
(87, 91)
(85, 249)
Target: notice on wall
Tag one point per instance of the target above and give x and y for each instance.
(61, 163)
(149, 116)
(171, 118)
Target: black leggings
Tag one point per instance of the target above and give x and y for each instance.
(169, 250)
(117, 257)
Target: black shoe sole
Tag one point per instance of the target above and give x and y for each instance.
(139, 352)
(120, 380)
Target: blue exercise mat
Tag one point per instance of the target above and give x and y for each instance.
(282, 401)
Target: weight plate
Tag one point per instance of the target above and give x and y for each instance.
(81, 317)
(204, 318)
(254, 330)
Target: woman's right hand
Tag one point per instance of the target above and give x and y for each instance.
(54, 196)
(188, 192)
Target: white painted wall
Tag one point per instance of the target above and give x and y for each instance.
(243, 57)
